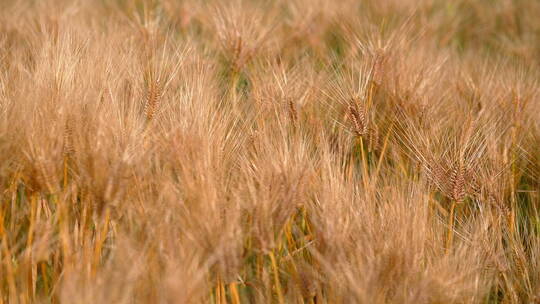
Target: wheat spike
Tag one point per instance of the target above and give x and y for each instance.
(293, 114)
(152, 101)
(359, 121)
(457, 183)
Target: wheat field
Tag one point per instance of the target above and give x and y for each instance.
(284, 151)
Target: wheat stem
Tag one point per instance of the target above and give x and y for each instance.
(234, 293)
(6, 253)
(29, 244)
(65, 171)
(100, 241)
(383, 151)
(276, 277)
(450, 234)
(365, 174)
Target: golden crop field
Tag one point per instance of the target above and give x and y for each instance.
(269, 151)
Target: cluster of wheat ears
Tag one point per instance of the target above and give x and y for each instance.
(284, 151)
